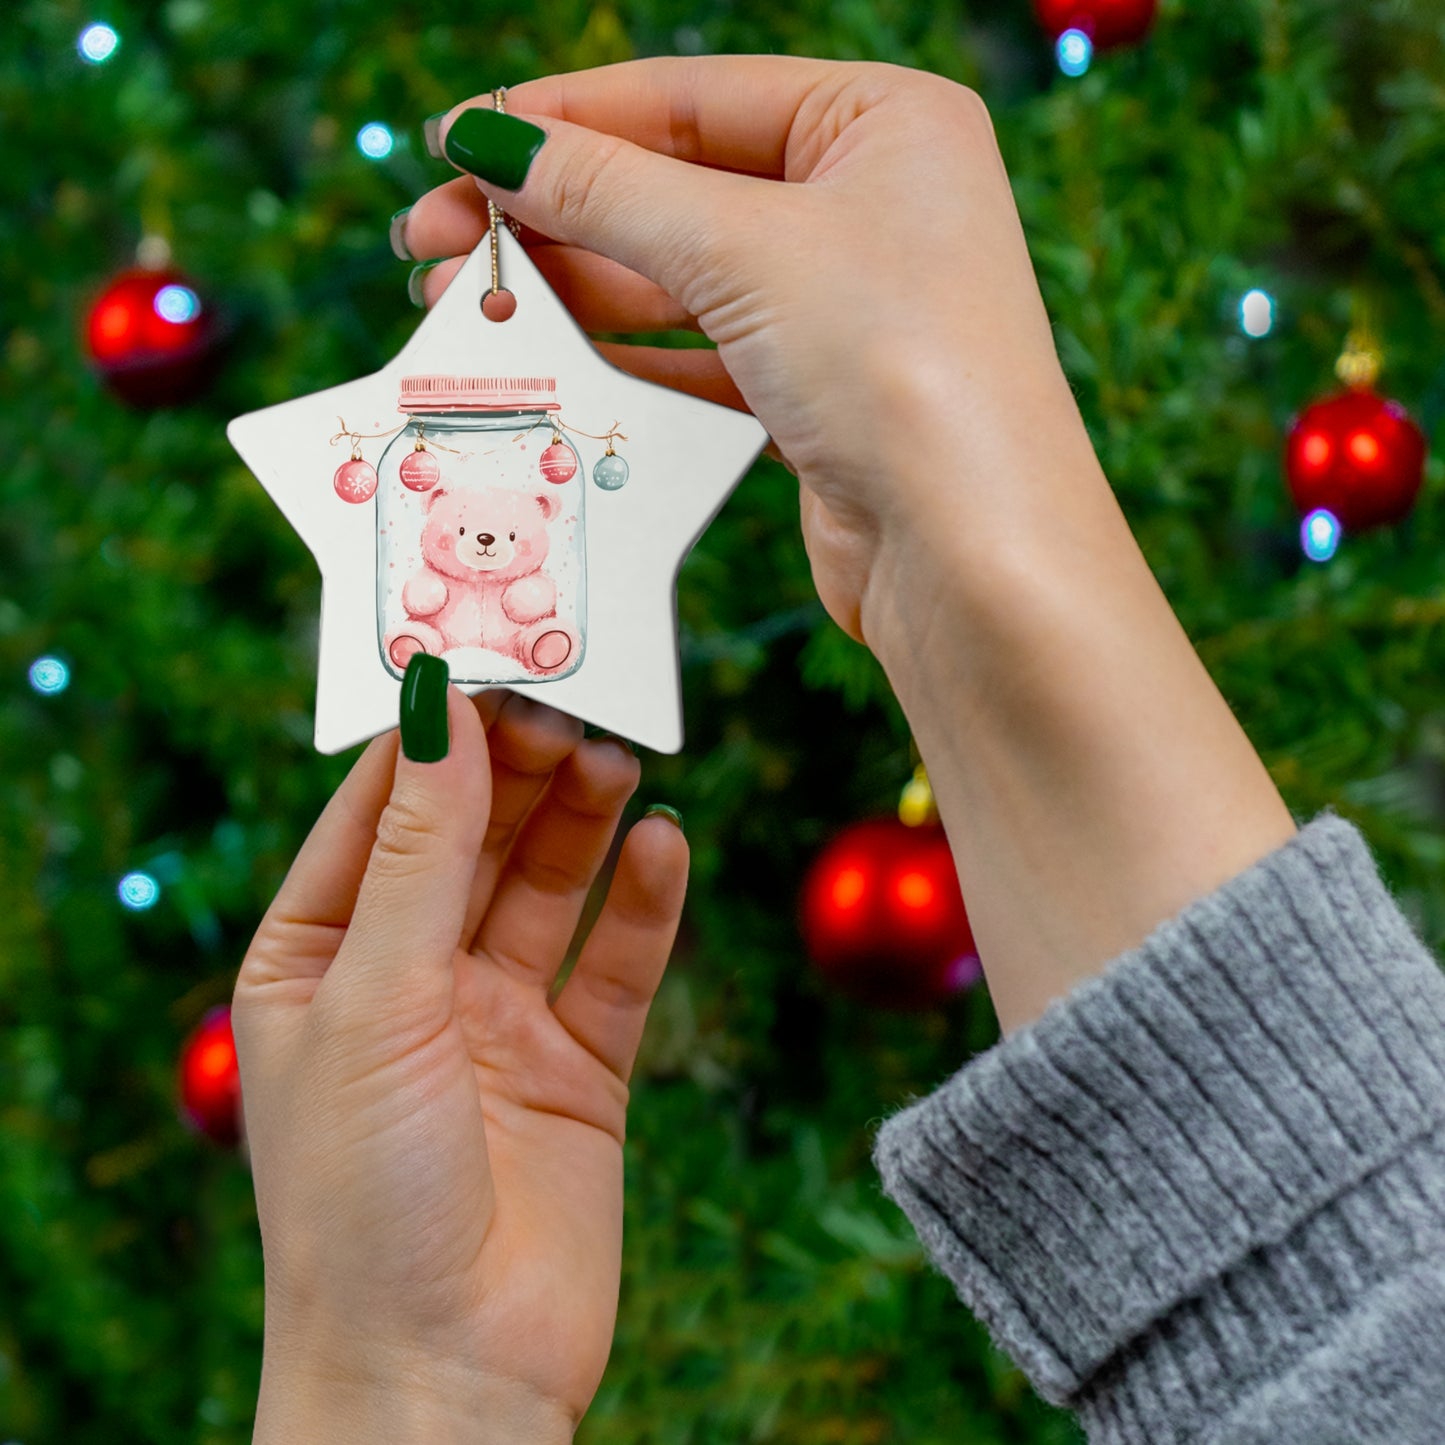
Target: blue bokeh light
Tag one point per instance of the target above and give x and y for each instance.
(97, 43)
(49, 675)
(1320, 535)
(178, 304)
(375, 140)
(1075, 52)
(1256, 313)
(138, 891)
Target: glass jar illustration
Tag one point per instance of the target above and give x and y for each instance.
(480, 554)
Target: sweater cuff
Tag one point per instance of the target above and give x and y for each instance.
(1257, 1057)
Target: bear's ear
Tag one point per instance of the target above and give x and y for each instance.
(550, 504)
(431, 501)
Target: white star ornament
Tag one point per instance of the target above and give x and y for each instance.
(512, 503)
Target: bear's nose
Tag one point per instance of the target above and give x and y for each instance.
(485, 538)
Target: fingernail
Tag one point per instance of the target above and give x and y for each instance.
(431, 131)
(606, 737)
(413, 282)
(671, 814)
(498, 148)
(398, 235)
(424, 734)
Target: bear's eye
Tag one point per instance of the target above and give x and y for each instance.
(461, 531)
(511, 536)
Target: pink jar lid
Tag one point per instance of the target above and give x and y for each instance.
(478, 393)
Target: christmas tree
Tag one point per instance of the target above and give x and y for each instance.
(158, 625)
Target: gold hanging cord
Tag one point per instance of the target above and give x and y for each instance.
(495, 214)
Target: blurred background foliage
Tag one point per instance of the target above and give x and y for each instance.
(770, 1292)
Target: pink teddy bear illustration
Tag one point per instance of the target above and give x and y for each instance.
(482, 584)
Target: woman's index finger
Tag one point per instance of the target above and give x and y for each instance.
(734, 112)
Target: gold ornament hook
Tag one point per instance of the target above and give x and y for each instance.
(916, 806)
(1360, 363)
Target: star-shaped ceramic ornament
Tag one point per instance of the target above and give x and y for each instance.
(502, 496)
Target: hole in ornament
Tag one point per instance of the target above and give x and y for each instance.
(499, 305)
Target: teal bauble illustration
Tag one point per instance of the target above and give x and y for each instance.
(610, 473)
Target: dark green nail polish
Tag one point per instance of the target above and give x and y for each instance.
(671, 814)
(606, 737)
(498, 148)
(425, 737)
(413, 282)
(397, 233)
(431, 133)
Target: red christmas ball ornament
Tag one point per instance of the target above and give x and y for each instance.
(883, 917)
(355, 481)
(557, 463)
(1359, 456)
(210, 1081)
(420, 471)
(152, 338)
(1107, 23)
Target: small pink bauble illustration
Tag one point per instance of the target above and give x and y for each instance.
(558, 464)
(420, 470)
(355, 480)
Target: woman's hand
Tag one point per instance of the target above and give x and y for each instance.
(847, 234)
(882, 309)
(437, 1149)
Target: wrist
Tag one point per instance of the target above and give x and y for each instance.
(406, 1400)
(990, 467)
(984, 518)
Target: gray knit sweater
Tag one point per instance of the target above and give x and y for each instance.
(1202, 1199)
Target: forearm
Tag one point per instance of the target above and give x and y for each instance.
(1092, 779)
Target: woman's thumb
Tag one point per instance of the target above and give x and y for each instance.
(664, 218)
(409, 912)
